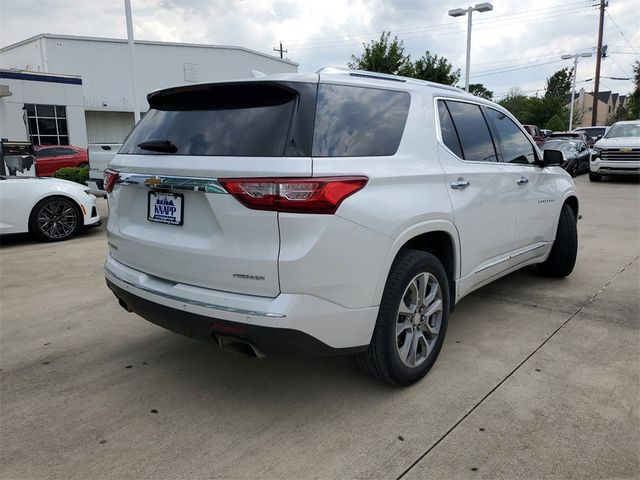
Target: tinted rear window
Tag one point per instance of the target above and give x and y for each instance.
(220, 120)
(356, 121)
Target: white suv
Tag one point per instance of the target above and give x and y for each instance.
(328, 213)
(618, 152)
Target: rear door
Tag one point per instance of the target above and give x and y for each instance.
(482, 192)
(172, 219)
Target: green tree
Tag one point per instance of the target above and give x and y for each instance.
(519, 105)
(479, 90)
(555, 124)
(559, 84)
(385, 56)
(633, 102)
(435, 69)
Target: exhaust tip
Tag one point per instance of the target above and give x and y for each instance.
(241, 347)
(124, 305)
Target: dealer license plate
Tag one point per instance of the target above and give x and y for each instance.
(165, 208)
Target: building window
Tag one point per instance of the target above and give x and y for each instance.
(47, 124)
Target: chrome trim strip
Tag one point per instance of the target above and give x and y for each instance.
(531, 248)
(511, 256)
(195, 302)
(493, 264)
(170, 182)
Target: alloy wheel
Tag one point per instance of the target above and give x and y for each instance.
(57, 219)
(419, 319)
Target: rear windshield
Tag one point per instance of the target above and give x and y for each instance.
(270, 120)
(223, 120)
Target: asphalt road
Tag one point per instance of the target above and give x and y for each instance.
(538, 378)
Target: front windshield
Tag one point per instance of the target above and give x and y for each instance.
(565, 146)
(624, 130)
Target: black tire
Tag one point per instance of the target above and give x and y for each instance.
(573, 169)
(563, 254)
(83, 165)
(382, 359)
(55, 219)
(594, 177)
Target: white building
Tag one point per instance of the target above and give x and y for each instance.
(91, 78)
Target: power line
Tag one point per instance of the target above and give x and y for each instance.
(440, 29)
(320, 40)
(620, 67)
(622, 33)
(516, 68)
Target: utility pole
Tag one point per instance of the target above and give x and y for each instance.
(596, 87)
(280, 50)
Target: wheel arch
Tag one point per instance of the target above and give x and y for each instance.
(439, 238)
(49, 197)
(573, 202)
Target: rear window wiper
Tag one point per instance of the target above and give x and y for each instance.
(164, 146)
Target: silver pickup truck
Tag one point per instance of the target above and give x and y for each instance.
(100, 155)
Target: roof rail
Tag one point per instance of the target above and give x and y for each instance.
(383, 76)
(360, 73)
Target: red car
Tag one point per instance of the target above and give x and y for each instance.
(535, 133)
(51, 158)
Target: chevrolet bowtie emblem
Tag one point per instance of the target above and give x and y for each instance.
(153, 182)
(626, 149)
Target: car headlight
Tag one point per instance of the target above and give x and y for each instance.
(595, 152)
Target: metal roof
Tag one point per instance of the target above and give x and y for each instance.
(141, 42)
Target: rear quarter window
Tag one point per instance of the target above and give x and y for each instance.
(356, 121)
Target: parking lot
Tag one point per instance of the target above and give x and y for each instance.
(538, 378)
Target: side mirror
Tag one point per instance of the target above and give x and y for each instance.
(552, 157)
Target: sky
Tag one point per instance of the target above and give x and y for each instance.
(518, 44)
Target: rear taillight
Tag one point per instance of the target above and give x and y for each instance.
(110, 179)
(294, 195)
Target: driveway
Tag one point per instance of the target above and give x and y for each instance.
(537, 378)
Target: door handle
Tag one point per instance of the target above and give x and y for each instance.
(522, 181)
(460, 184)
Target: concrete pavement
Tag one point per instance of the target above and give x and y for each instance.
(548, 369)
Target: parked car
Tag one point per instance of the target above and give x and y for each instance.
(51, 158)
(545, 132)
(50, 209)
(576, 154)
(575, 135)
(100, 155)
(618, 152)
(329, 213)
(535, 133)
(593, 133)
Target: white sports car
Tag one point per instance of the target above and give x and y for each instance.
(49, 208)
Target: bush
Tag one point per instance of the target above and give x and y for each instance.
(75, 174)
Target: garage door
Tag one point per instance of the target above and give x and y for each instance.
(108, 127)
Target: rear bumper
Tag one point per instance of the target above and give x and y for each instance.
(281, 341)
(287, 324)
(604, 167)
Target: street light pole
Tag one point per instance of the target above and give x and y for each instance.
(459, 12)
(127, 12)
(573, 87)
(466, 74)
